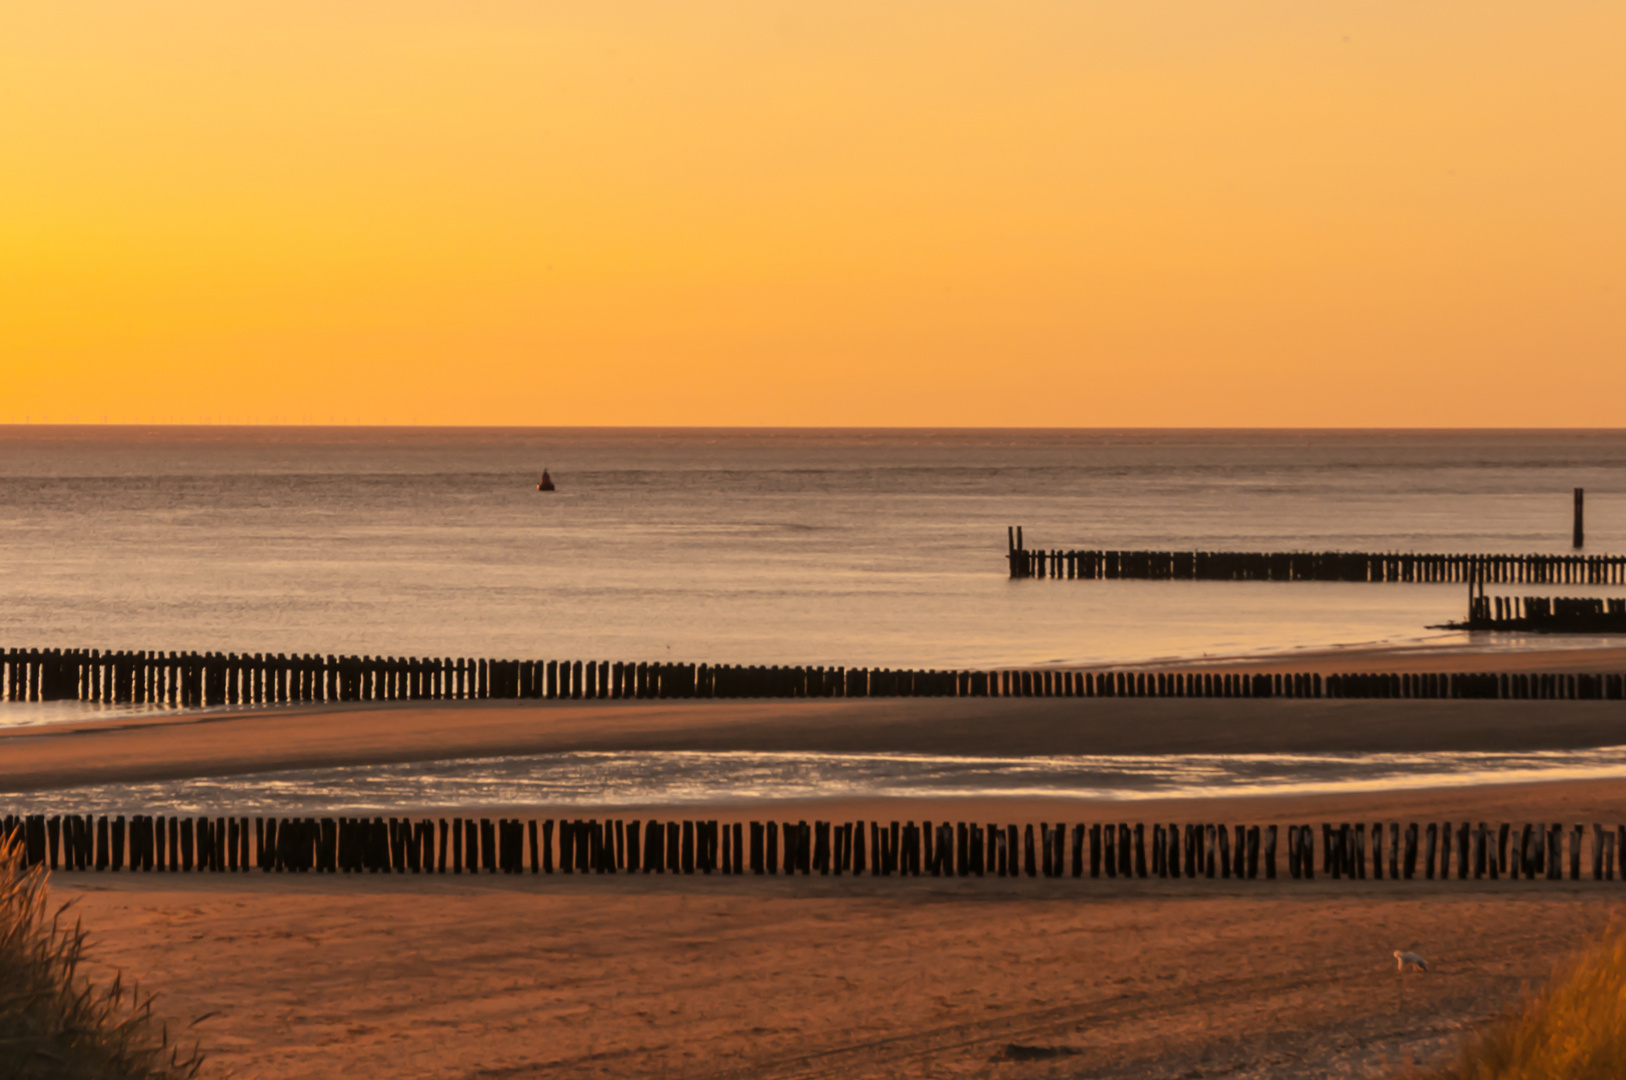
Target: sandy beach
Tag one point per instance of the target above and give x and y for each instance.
(658, 976)
(646, 976)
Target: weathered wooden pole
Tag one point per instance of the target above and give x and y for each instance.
(1580, 533)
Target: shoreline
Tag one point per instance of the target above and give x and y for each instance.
(1416, 658)
(1602, 801)
(180, 746)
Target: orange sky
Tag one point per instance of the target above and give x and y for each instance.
(843, 212)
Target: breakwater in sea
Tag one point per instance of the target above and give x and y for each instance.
(1546, 614)
(1349, 566)
(400, 845)
(202, 680)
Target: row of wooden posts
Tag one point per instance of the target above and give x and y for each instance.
(1547, 614)
(229, 679)
(74, 842)
(1093, 565)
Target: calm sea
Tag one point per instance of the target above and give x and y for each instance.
(834, 547)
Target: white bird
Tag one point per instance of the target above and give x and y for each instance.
(1409, 959)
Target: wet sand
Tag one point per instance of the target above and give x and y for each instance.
(1586, 801)
(1541, 653)
(174, 746)
(167, 746)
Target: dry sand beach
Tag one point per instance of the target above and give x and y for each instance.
(642, 976)
(594, 977)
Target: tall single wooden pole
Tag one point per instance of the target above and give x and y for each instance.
(1580, 536)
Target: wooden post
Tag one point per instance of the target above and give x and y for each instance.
(654, 848)
(1579, 537)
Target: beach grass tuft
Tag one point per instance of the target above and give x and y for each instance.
(54, 1023)
(1574, 1028)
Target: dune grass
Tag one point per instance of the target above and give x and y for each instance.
(54, 1024)
(1573, 1029)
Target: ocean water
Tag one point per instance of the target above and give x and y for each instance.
(882, 548)
(586, 781)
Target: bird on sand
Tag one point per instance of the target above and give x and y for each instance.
(1404, 960)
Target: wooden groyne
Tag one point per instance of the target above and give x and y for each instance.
(1546, 614)
(199, 680)
(1360, 566)
(401, 845)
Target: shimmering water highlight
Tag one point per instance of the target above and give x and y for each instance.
(693, 778)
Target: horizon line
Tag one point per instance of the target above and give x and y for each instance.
(206, 425)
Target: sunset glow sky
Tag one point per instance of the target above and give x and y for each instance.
(844, 212)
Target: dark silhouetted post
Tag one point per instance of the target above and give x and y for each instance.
(1580, 533)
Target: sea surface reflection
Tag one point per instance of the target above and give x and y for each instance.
(677, 778)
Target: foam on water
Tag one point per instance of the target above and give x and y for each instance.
(692, 778)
